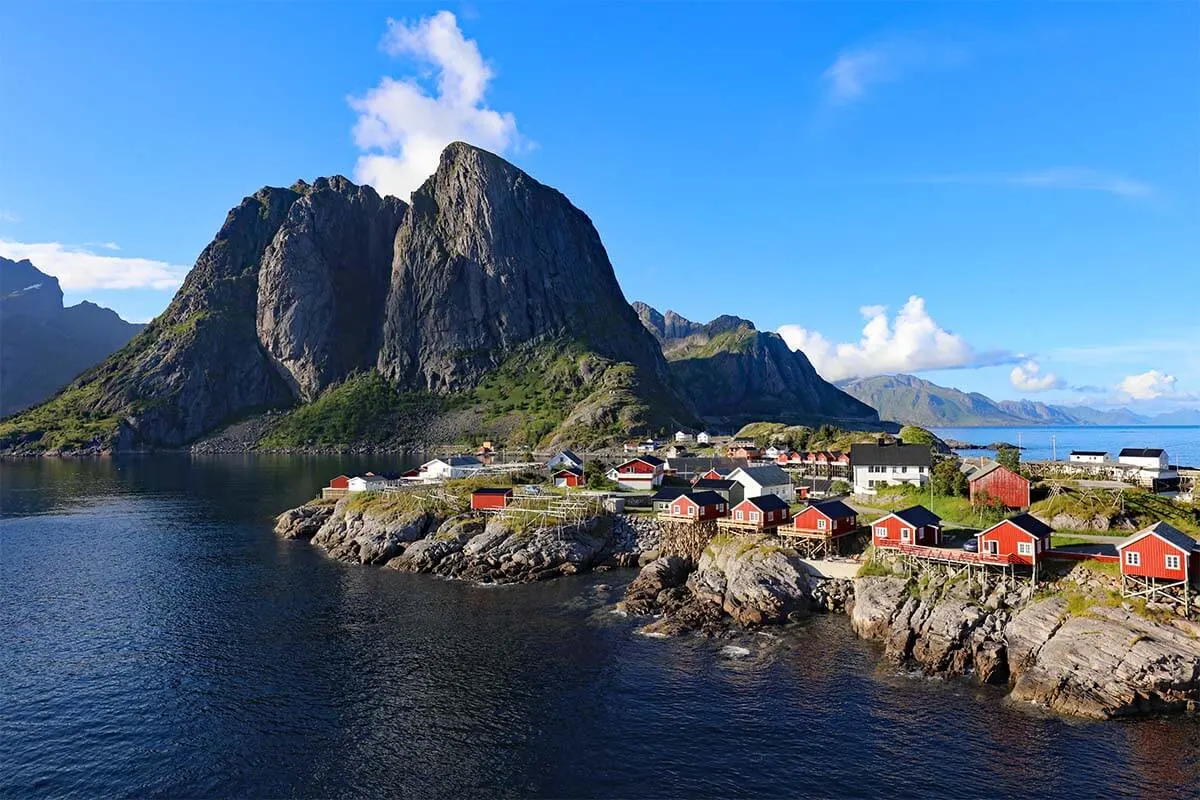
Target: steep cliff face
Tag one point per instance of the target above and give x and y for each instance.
(323, 281)
(489, 275)
(44, 345)
(730, 371)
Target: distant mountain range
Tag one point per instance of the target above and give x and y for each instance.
(44, 345)
(912, 400)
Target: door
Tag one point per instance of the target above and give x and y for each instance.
(993, 547)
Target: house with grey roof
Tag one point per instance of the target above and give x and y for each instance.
(769, 479)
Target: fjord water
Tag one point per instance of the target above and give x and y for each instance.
(156, 639)
(1043, 442)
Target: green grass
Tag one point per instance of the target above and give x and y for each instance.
(738, 340)
(67, 421)
(1143, 506)
(952, 510)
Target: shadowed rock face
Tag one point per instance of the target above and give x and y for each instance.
(732, 372)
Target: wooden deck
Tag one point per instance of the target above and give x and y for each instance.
(954, 555)
(749, 527)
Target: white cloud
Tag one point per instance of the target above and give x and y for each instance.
(1148, 385)
(1068, 178)
(912, 343)
(8, 216)
(1028, 377)
(402, 127)
(858, 69)
(79, 269)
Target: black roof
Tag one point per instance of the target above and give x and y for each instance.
(705, 498)
(1142, 452)
(834, 509)
(918, 516)
(491, 490)
(653, 461)
(768, 502)
(713, 483)
(1181, 540)
(694, 464)
(891, 455)
(574, 470)
(1088, 453)
(669, 493)
(1031, 524)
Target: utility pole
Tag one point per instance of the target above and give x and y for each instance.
(1053, 448)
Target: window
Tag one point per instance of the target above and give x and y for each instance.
(1133, 559)
(905, 534)
(1025, 548)
(820, 524)
(740, 515)
(676, 509)
(881, 532)
(754, 516)
(691, 511)
(993, 547)
(1173, 562)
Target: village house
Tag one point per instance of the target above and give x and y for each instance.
(1157, 560)
(996, 484)
(677, 451)
(732, 491)
(789, 459)
(913, 525)
(565, 459)
(340, 482)
(640, 474)
(698, 506)
(703, 437)
(450, 467)
(881, 464)
(748, 452)
(828, 518)
(1154, 468)
(772, 452)
(683, 436)
(769, 479)
(568, 478)
(1017, 540)
(690, 467)
(662, 499)
(490, 499)
(647, 446)
(1088, 457)
(367, 483)
(760, 513)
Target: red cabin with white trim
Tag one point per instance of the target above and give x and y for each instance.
(1022, 539)
(1160, 552)
(644, 472)
(831, 518)
(490, 498)
(997, 484)
(712, 474)
(913, 525)
(568, 478)
(340, 482)
(699, 506)
(766, 511)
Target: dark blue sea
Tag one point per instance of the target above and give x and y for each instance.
(1043, 442)
(156, 640)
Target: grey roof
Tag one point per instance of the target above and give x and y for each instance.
(768, 502)
(918, 516)
(713, 483)
(705, 498)
(769, 475)
(988, 470)
(570, 456)
(695, 464)
(891, 455)
(1141, 452)
(834, 509)
(1031, 524)
(1176, 537)
(668, 493)
(463, 461)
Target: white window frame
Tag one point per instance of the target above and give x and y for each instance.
(691, 511)
(676, 509)
(881, 532)
(993, 547)
(906, 534)
(754, 516)
(1171, 562)
(820, 524)
(1133, 558)
(740, 515)
(1024, 548)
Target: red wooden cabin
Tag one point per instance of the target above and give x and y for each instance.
(830, 518)
(998, 484)
(1022, 539)
(913, 525)
(340, 482)
(1160, 552)
(767, 511)
(643, 472)
(490, 498)
(712, 474)
(699, 506)
(568, 478)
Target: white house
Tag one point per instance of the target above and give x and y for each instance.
(450, 467)
(703, 437)
(876, 465)
(564, 460)
(1088, 457)
(1154, 468)
(772, 452)
(757, 481)
(647, 446)
(683, 436)
(366, 483)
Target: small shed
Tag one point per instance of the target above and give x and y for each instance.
(996, 484)
(568, 478)
(340, 482)
(490, 499)
(1160, 552)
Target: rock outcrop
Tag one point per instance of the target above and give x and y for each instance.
(730, 371)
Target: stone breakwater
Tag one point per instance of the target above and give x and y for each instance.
(468, 546)
(1101, 661)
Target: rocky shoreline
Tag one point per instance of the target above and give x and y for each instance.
(1097, 661)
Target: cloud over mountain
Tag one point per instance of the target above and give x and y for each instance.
(79, 268)
(1028, 377)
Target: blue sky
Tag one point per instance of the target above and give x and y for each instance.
(1029, 173)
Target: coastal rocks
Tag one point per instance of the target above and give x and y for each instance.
(876, 601)
(832, 594)
(1107, 663)
(359, 537)
(302, 522)
(647, 591)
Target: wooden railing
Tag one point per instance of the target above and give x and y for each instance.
(952, 554)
